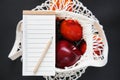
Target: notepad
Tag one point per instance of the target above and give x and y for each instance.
(38, 28)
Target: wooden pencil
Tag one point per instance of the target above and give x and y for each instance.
(42, 56)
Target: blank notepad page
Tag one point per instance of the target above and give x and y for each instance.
(37, 31)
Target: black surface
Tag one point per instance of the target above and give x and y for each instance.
(107, 11)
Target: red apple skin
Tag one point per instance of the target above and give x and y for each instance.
(83, 46)
(66, 54)
(71, 30)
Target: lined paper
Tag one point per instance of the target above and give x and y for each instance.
(37, 31)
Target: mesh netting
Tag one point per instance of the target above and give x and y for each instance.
(96, 53)
(78, 8)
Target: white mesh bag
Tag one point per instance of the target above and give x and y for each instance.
(97, 47)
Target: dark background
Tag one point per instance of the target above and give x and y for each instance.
(107, 11)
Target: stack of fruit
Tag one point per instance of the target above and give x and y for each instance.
(70, 43)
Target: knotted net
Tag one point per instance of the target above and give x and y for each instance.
(97, 47)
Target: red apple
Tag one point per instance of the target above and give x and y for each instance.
(71, 30)
(66, 54)
(83, 46)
